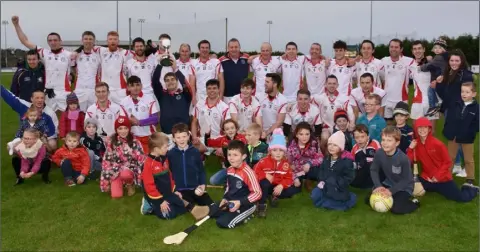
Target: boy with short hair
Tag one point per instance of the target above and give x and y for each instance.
(244, 108)
(242, 192)
(256, 149)
(432, 154)
(461, 127)
(395, 165)
(371, 118)
(94, 144)
(364, 150)
(187, 167)
(341, 124)
(436, 68)
(401, 114)
(73, 160)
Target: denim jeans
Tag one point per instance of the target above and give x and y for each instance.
(219, 178)
(432, 97)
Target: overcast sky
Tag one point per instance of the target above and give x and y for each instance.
(302, 22)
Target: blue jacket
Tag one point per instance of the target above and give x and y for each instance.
(461, 122)
(375, 126)
(337, 178)
(187, 168)
(450, 92)
(21, 109)
(26, 80)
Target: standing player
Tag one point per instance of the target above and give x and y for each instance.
(303, 111)
(203, 69)
(273, 106)
(87, 67)
(292, 71)
(315, 70)
(57, 63)
(141, 66)
(142, 110)
(261, 66)
(341, 68)
(235, 69)
(369, 64)
(104, 111)
(396, 68)
(364, 89)
(184, 62)
(244, 108)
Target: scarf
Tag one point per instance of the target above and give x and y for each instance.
(73, 117)
(31, 152)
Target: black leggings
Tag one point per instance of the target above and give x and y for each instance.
(44, 167)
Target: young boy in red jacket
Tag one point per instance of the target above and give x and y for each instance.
(274, 174)
(432, 154)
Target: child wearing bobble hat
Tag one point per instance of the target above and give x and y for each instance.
(72, 118)
(123, 160)
(336, 174)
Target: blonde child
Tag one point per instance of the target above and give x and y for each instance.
(72, 118)
(256, 149)
(122, 161)
(31, 120)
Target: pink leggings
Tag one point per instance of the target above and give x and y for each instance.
(116, 188)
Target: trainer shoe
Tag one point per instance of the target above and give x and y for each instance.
(416, 201)
(273, 201)
(145, 208)
(462, 174)
(70, 183)
(262, 210)
(19, 181)
(456, 168)
(209, 151)
(432, 111)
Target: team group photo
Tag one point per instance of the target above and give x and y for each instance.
(162, 144)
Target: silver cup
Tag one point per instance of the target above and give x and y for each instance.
(165, 61)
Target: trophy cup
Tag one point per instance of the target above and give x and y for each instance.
(165, 60)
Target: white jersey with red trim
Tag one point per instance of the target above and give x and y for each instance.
(344, 75)
(211, 117)
(143, 69)
(421, 81)
(260, 69)
(114, 66)
(87, 66)
(204, 71)
(106, 118)
(315, 75)
(271, 108)
(373, 66)
(292, 76)
(145, 106)
(312, 116)
(329, 104)
(185, 67)
(57, 68)
(357, 97)
(396, 78)
(246, 113)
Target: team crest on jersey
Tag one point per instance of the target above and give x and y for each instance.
(285, 167)
(121, 120)
(63, 59)
(105, 55)
(210, 67)
(81, 59)
(242, 61)
(372, 69)
(135, 67)
(260, 69)
(334, 70)
(143, 109)
(238, 184)
(40, 79)
(178, 97)
(110, 117)
(116, 56)
(130, 110)
(26, 79)
(215, 115)
(149, 67)
(400, 67)
(49, 58)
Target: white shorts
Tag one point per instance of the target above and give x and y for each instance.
(116, 96)
(86, 97)
(388, 111)
(419, 109)
(59, 102)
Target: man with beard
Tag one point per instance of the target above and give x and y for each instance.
(141, 66)
(273, 106)
(316, 70)
(368, 64)
(57, 66)
(261, 65)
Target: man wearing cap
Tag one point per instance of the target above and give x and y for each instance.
(401, 114)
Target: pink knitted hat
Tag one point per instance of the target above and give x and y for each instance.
(338, 138)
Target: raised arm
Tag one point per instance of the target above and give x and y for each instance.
(21, 36)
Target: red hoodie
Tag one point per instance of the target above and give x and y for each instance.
(281, 171)
(432, 155)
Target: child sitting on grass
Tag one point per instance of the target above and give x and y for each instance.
(230, 130)
(395, 165)
(94, 144)
(160, 196)
(31, 120)
(274, 174)
(72, 118)
(73, 160)
(364, 150)
(304, 155)
(335, 175)
(187, 167)
(31, 157)
(400, 114)
(242, 192)
(432, 154)
(256, 149)
(123, 160)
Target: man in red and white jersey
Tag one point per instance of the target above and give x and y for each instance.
(57, 62)
(260, 66)
(303, 111)
(104, 111)
(364, 89)
(244, 108)
(316, 70)
(184, 62)
(274, 106)
(209, 115)
(369, 64)
(328, 103)
(421, 81)
(141, 66)
(396, 68)
(342, 68)
(87, 67)
(203, 69)
(142, 109)
(292, 71)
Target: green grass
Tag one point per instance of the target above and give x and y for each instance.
(53, 217)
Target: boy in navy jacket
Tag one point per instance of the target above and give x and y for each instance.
(187, 167)
(461, 127)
